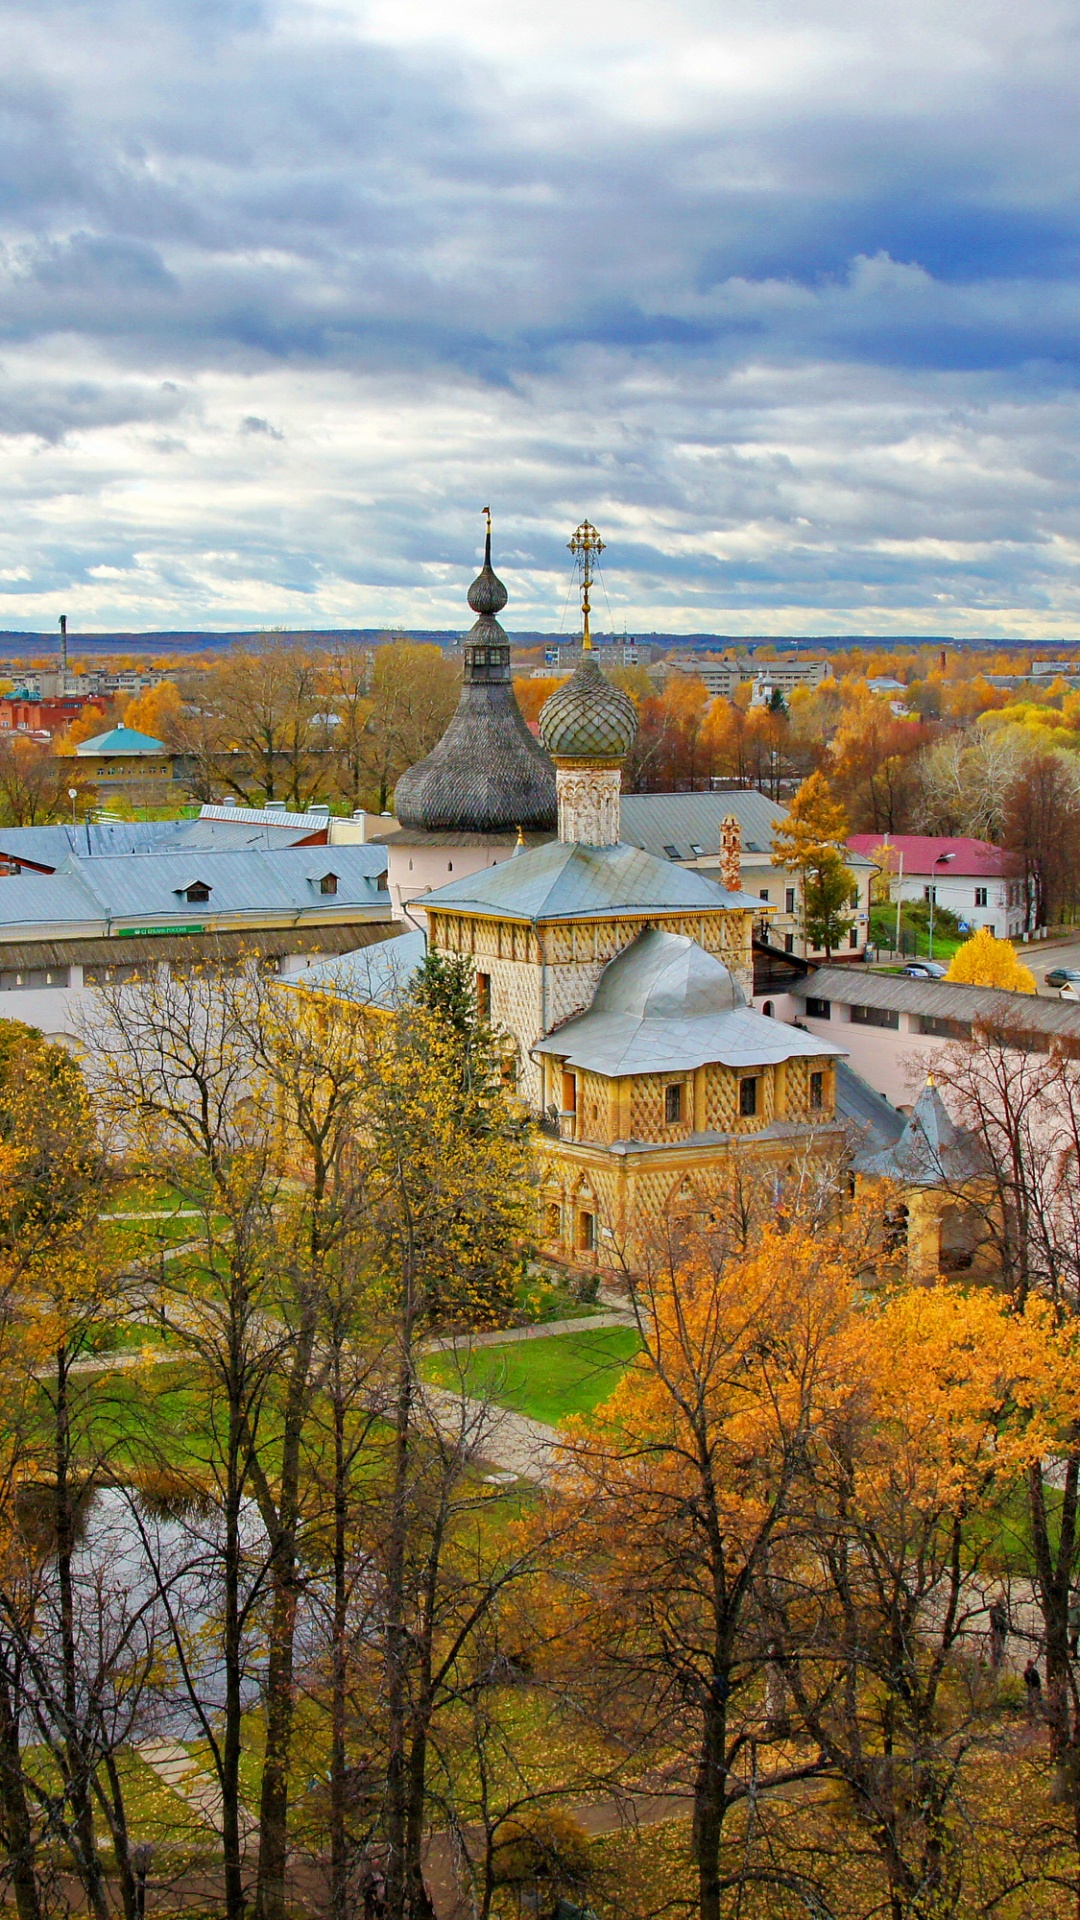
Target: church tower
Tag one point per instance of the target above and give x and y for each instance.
(487, 775)
(588, 727)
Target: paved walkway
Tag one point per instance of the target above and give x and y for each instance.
(520, 1448)
(192, 1784)
(537, 1330)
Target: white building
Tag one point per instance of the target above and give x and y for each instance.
(971, 878)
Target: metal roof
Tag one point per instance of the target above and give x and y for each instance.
(563, 881)
(145, 886)
(223, 829)
(376, 976)
(266, 817)
(341, 936)
(656, 821)
(931, 1150)
(121, 740)
(922, 853)
(878, 1123)
(942, 999)
(664, 1005)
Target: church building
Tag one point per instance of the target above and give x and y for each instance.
(623, 981)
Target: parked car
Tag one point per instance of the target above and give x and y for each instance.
(1063, 976)
(925, 970)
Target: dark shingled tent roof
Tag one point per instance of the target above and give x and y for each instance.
(487, 774)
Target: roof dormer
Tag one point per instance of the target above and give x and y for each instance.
(324, 879)
(196, 892)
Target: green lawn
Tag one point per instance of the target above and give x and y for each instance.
(548, 1379)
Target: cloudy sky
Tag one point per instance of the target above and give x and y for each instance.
(784, 296)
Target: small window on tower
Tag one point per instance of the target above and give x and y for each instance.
(483, 996)
(748, 1096)
(586, 1234)
(673, 1104)
(817, 1091)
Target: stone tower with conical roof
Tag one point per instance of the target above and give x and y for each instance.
(487, 774)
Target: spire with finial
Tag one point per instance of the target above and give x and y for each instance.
(585, 543)
(487, 595)
(487, 774)
(588, 727)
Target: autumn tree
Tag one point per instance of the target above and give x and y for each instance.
(690, 1471)
(414, 690)
(667, 755)
(808, 843)
(1022, 1105)
(1042, 831)
(155, 711)
(172, 1065)
(961, 783)
(984, 961)
(949, 1399)
(872, 765)
(248, 727)
(531, 694)
(69, 1649)
(34, 783)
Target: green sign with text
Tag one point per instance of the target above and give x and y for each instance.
(129, 933)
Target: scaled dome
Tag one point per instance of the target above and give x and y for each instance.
(487, 774)
(588, 718)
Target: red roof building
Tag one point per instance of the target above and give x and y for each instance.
(973, 879)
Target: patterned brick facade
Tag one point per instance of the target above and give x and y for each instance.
(624, 1163)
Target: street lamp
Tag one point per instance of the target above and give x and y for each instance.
(73, 794)
(938, 860)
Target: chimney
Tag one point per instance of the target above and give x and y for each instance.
(63, 645)
(730, 851)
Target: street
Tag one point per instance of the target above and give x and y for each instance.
(1055, 953)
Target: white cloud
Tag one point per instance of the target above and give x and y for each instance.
(788, 302)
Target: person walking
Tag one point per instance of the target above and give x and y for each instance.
(999, 1631)
(1033, 1685)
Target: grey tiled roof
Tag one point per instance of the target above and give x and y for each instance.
(941, 999)
(487, 774)
(560, 881)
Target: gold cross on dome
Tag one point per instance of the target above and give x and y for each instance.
(585, 543)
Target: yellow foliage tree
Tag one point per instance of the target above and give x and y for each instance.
(808, 843)
(686, 1480)
(154, 710)
(985, 961)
